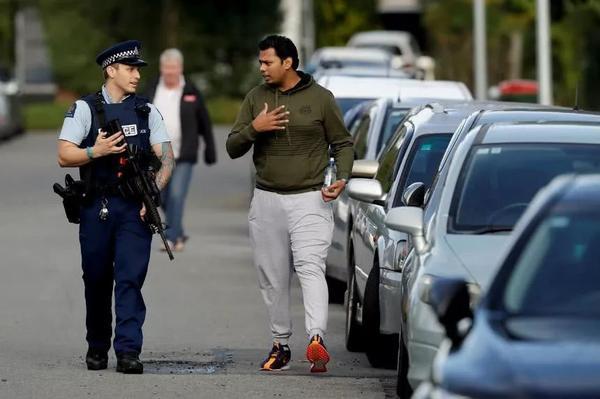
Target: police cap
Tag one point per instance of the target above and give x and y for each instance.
(127, 53)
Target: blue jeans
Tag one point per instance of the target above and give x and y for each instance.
(173, 197)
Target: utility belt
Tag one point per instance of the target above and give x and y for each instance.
(77, 194)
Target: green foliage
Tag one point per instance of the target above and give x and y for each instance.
(223, 110)
(50, 115)
(217, 37)
(44, 115)
(337, 20)
(450, 27)
(576, 41)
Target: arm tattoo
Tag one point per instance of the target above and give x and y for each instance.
(167, 160)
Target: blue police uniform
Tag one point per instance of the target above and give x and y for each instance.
(116, 249)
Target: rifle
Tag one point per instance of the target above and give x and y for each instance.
(141, 183)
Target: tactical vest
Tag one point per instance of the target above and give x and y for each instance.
(133, 114)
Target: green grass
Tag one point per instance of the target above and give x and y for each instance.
(50, 115)
(44, 115)
(223, 110)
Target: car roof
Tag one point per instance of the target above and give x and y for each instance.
(352, 53)
(435, 118)
(401, 89)
(379, 36)
(386, 72)
(540, 132)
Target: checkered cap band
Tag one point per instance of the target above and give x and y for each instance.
(120, 56)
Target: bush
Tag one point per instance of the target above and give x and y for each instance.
(223, 110)
(44, 115)
(50, 115)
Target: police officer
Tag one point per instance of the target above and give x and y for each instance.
(115, 241)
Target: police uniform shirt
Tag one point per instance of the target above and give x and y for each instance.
(78, 122)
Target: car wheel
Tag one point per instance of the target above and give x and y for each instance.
(403, 388)
(354, 331)
(381, 349)
(337, 290)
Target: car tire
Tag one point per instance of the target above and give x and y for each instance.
(381, 349)
(336, 289)
(403, 388)
(354, 331)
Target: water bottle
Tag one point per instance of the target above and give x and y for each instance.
(330, 173)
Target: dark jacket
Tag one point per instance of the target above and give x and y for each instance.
(293, 161)
(195, 122)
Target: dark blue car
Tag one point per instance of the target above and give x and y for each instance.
(536, 333)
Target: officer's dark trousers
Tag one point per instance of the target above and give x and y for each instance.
(117, 249)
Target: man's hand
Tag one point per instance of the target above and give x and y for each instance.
(143, 213)
(108, 145)
(332, 192)
(271, 120)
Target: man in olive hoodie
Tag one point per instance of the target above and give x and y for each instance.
(292, 122)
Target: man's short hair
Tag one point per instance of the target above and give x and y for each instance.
(171, 54)
(283, 47)
(105, 74)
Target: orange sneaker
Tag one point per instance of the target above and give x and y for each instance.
(317, 355)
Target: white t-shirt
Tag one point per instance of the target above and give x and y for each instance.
(168, 101)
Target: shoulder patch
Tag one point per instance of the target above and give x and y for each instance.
(71, 111)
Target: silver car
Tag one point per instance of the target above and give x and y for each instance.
(371, 130)
(464, 228)
(413, 154)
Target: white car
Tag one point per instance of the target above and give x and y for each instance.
(351, 90)
(475, 202)
(345, 57)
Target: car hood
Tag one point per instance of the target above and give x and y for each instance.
(490, 365)
(479, 254)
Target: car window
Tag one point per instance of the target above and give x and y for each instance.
(389, 158)
(498, 181)
(422, 162)
(360, 137)
(557, 272)
(393, 118)
(346, 103)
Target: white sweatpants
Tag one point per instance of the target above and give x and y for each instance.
(292, 230)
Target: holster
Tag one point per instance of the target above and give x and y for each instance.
(74, 196)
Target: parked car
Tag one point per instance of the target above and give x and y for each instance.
(346, 57)
(402, 45)
(350, 91)
(371, 125)
(413, 153)
(11, 121)
(536, 332)
(473, 206)
(399, 43)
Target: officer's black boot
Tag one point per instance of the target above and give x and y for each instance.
(96, 359)
(129, 363)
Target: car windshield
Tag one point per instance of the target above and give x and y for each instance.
(557, 273)
(392, 120)
(346, 103)
(498, 181)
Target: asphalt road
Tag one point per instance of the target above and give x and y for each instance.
(205, 331)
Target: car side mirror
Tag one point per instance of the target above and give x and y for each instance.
(414, 195)
(450, 301)
(409, 220)
(365, 169)
(365, 190)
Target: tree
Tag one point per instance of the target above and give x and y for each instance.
(217, 37)
(337, 20)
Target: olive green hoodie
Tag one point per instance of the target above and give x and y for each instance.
(293, 160)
